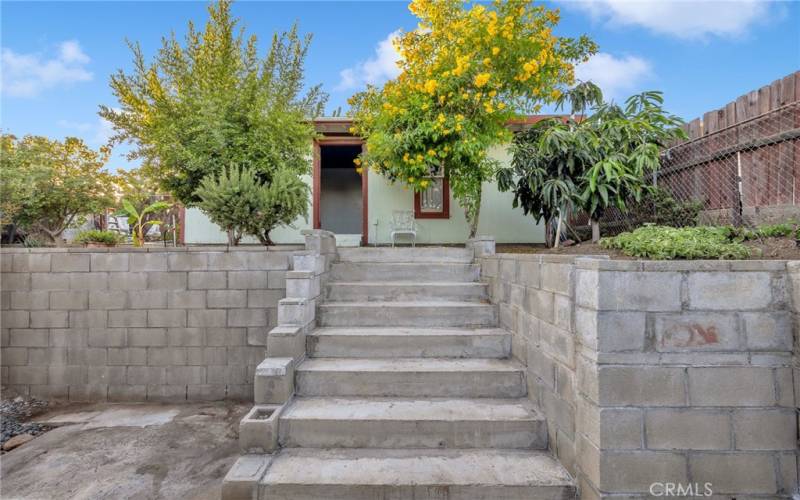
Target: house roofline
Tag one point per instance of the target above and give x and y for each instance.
(338, 125)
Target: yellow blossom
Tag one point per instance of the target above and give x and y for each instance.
(359, 170)
(423, 183)
(482, 79)
(495, 51)
(430, 86)
(357, 161)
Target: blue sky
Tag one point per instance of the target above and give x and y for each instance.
(57, 56)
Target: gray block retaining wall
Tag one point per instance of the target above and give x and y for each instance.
(652, 373)
(126, 324)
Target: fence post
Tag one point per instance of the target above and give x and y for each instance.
(737, 210)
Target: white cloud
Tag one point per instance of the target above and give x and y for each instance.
(27, 75)
(687, 19)
(614, 75)
(374, 71)
(94, 133)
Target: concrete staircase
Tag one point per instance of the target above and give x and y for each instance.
(409, 391)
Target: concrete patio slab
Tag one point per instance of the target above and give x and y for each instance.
(113, 451)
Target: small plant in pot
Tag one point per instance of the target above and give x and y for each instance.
(96, 238)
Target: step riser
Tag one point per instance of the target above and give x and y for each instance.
(469, 292)
(421, 316)
(509, 384)
(407, 346)
(433, 255)
(356, 271)
(403, 492)
(531, 434)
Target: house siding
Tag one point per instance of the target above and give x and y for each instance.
(498, 218)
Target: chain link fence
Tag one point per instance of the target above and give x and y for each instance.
(740, 166)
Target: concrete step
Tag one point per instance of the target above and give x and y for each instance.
(411, 377)
(357, 291)
(412, 423)
(418, 254)
(375, 342)
(369, 474)
(423, 314)
(404, 271)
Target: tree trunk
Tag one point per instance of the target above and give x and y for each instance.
(12, 233)
(233, 240)
(264, 239)
(558, 230)
(595, 230)
(473, 213)
(52, 235)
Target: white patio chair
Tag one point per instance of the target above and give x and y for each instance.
(403, 224)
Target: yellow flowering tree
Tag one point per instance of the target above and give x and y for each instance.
(466, 71)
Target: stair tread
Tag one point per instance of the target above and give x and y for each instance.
(464, 467)
(408, 364)
(408, 283)
(419, 254)
(399, 304)
(418, 409)
(368, 331)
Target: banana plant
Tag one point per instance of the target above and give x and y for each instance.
(137, 220)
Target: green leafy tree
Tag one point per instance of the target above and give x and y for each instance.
(242, 205)
(48, 185)
(212, 102)
(599, 157)
(465, 72)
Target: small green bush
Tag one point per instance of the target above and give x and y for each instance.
(97, 236)
(662, 242)
(777, 230)
(667, 211)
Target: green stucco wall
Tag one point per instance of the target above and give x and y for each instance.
(498, 218)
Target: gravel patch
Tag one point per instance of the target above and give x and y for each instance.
(14, 414)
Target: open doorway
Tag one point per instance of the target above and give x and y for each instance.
(341, 205)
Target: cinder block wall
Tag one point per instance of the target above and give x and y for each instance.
(126, 324)
(535, 294)
(680, 372)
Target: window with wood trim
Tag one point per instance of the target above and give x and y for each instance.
(434, 202)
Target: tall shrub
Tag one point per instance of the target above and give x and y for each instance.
(242, 205)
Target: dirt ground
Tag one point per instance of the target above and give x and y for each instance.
(767, 248)
(126, 451)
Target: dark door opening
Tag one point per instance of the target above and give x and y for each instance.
(340, 197)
